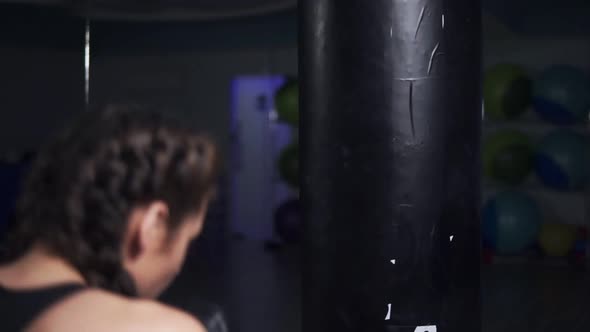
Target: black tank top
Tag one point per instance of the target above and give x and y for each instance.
(20, 308)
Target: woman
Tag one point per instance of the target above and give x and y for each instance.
(103, 225)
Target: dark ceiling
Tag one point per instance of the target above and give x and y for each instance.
(166, 10)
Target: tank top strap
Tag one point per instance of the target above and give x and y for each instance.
(22, 307)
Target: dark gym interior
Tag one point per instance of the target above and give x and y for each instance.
(232, 68)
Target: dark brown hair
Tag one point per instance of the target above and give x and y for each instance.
(82, 188)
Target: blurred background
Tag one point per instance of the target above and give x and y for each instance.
(230, 67)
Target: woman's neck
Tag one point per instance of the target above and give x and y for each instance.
(38, 269)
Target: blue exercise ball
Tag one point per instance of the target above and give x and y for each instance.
(561, 95)
(511, 222)
(562, 160)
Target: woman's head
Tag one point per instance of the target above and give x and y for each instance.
(119, 195)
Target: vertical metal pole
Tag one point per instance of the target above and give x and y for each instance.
(87, 64)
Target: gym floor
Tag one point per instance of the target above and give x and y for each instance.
(260, 292)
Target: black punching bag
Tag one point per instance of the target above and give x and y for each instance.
(391, 115)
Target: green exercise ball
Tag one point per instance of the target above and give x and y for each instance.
(507, 91)
(287, 102)
(508, 157)
(289, 165)
(557, 239)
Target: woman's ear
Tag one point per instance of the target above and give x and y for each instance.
(147, 229)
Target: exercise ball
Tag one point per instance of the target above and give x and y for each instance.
(557, 239)
(561, 95)
(289, 165)
(287, 221)
(562, 160)
(511, 222)
(508, 157)
(507, 91)
(287, 102)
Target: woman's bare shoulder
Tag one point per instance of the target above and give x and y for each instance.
(95, 310)
(165, 318)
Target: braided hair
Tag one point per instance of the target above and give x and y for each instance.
(82, 188)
